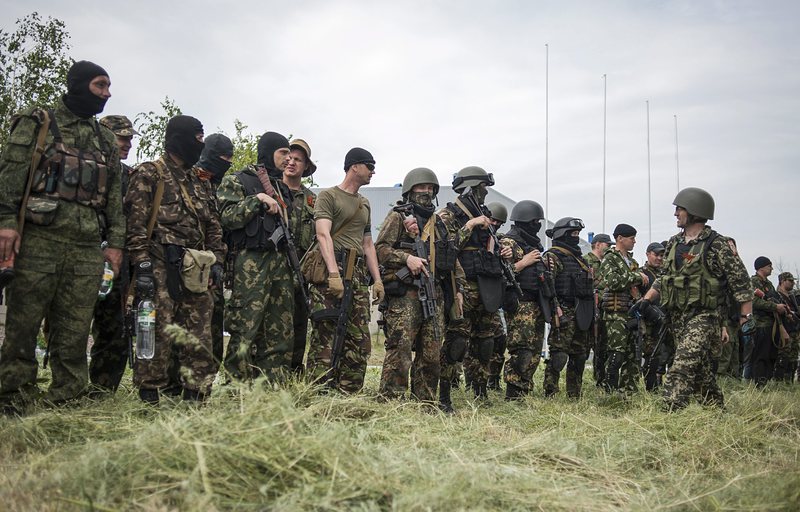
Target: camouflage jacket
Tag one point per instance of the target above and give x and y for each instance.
(237, 209)
(593, 261)
(186, 221)
(301, 222)
(74, 223)
(763, 307)
(616, 274)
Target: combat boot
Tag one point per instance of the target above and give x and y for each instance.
(513, 392)
(445, 403)
(493, 383)
(193, 395)
(149, 396)
(479, 387)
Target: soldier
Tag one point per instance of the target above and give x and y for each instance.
(59, 179)
(407, 328)
(569, 340)
(344, 234)
(786, 365)
(170, 219)
(656, 346)
(302, 226)
(698, 264)
(768, 311)
(215, 160)
(526, 324)
(260, 312)
(110, 349)
(600, 244)
(468, 226)
(620, 276)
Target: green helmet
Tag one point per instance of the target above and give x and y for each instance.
(563, 226)
(420, 176)
(527, 211)
(471, 176)
(498, 211)
(696, 201)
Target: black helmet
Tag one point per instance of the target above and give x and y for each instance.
(563, 226)
(471, 176)
(696, 201)
(498, 211)
(527, 211)
(419, 176)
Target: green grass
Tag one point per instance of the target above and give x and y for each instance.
(292, 448)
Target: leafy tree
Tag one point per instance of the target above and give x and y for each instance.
(152, 127)
(33, 66)
(244, 147)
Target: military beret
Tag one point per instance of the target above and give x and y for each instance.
(761, 262)
(655, 247)
(120, 125)
(783, 276)
(624, 230)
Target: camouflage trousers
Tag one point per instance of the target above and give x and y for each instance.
(60, 282)
(600, 349)
(786, 364)
(190, 361)
(110, 349)
(259, 316)
(475, 331)
(407, 331)
(729, 354)
(357, 344)
(568, 346)
(300, 328)
(472, 364)
(692, 372)
(622, 368)
(218, 325)
(525, 341)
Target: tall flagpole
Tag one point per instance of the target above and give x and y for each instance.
(605, 104)
(546, 140)
(649, 194)
(677, 162)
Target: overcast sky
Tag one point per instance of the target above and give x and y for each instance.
(446, 84)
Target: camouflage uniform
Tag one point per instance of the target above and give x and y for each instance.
(218, 315)
(767, 338)
(185, 218)
(695, 321)
(654, 364)
(786, 365)
(619, 279)
(728, 356)
(60, 264)
(260, 311)
(302, 227)
(599, 341)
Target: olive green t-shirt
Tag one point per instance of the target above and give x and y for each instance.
(342, 207)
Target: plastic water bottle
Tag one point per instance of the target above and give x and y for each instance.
(108, 281)
(145, 329)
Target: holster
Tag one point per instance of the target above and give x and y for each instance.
(174, 258)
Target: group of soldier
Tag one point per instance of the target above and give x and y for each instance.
(257, 254)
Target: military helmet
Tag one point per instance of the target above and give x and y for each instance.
(471, 176)
(527, 211)
(498, 211)
(420, 176)
(696, 201)
(563, 226)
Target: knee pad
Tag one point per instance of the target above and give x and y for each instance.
(455, 349)
(500, 344)
(485, 350)
(522, 360)
(558, 360)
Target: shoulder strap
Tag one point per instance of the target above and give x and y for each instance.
(47, 120)
(157, 199)
(565, 252)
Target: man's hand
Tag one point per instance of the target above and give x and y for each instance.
(460, 304)
(482, 222)
(335, 285)
(506, 253)
(377, 292)
(640, 306)
(781, 309)
(113, 256)
(411, 225)
(9, 243)
(725, 337)
(531, 258)
(416, 265)
(270, 203)
(645, 279)
(217, 275)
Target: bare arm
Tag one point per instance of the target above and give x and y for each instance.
(323, 228)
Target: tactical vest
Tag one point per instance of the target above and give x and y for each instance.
(693, 286)
(530, 277)
(474, 258)
(574, 281)
(446, 250)
(255, 235)
(72, 174)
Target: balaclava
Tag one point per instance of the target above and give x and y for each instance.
(217, 145)
(267, 145)
(569, 242)
(79, 99)
(181, 139)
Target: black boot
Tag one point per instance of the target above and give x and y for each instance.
(193, 395)
(445, 403)
(479, 387)
(513, 392)
(149, 396)
(494, 383)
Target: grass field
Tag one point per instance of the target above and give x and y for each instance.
(292, 448)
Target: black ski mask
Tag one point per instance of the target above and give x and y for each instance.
(217, 145)
(181, 139)
(267, 145)
(530, 228)
(79, 99)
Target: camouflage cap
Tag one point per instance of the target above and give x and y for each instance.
(783, 276)
(120, 125)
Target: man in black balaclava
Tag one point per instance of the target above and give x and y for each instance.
(185, 219)
(62, 226)
(261, 305)
(569, 339)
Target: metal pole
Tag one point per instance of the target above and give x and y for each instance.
(677, 161)
(546, 140)
(649, 195)
(605, 104)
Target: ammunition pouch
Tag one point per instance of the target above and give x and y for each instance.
(446, 255)
(395, 288)
(313, 267)
(616, 302)
(196, 269)
(40, 210)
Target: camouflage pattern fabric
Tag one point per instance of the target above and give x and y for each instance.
(599, 345)
(110, 349)
(218, 316)
(301, 223)
(573, 342)
(357, 343)
(525, 341)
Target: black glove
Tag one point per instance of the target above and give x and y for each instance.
(217, 275)
(145, 280)
(641, 307)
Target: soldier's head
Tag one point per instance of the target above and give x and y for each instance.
(216, 156)
(693, 206)
(88, 89)
(122, 128)
(625, 237)
(763, 266)
(421, 186)
(528, 216)
(273, 153)
(655, 254)
(300, 164)
(600, 242)
(359, 163)
(786, 281)
(567, 229)
(473, 180)
(184, 139)
(499, 213)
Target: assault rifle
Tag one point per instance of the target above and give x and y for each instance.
(282, 232)
(337, 349)
(508, 271)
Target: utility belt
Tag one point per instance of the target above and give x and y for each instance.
(616, 302)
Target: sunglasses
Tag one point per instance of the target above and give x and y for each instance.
(370, 167)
